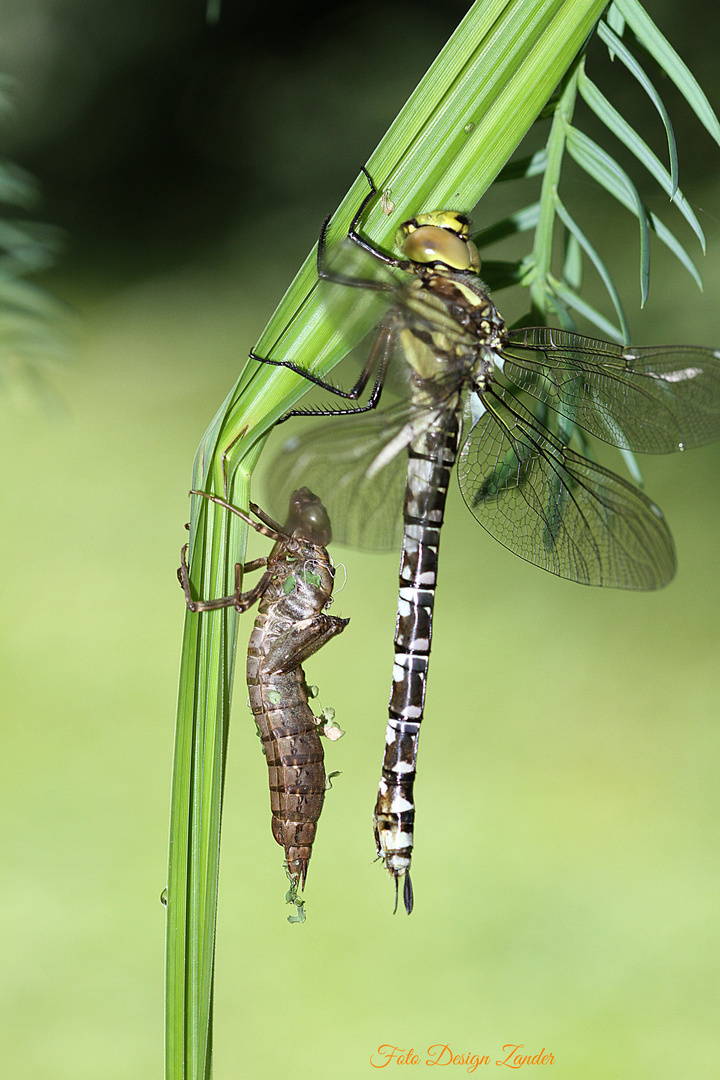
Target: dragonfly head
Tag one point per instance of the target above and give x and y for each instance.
(440, 239)
(308, 518)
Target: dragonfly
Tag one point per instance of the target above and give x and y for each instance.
(464, 379)
(291, 625)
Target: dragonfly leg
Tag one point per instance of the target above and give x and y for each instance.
(267, 527)
(378, 358)
(265, 518)
(381, 341)
(374, 360)
(239, 600)
(367, 245)
(327, 274)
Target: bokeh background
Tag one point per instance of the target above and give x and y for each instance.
(566, 870)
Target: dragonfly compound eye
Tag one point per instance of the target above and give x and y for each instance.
(433, 244)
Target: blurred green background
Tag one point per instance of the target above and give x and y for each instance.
(566, 869)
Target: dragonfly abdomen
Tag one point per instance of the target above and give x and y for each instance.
(294, 755)
(431, 458)
(290, 626)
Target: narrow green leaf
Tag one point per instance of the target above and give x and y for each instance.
(615, 20)
(603, 168)
(212, 11)
(17, 295)
(206, 673)
(620, 127)
(572, 263)
(660, 48)
(570, 224)
(608, 173)
(617, 48)
(559, 310)
(541, 260)
(632, 466)
(502, 275)
(17, 187)
(576, 303)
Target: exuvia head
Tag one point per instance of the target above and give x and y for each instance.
(308, 518)
(440, 239)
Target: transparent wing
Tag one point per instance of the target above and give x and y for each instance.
(557, 510)
(357, 466)
(654, 400)
(355, 311)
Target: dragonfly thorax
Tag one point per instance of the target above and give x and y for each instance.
(452, 329)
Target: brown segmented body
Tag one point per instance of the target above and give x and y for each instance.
(291, 625)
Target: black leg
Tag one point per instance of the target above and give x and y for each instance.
(380, 353)
(327, 274)
(379, 357)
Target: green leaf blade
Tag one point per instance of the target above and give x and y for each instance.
(570, 224)
(660, 48)
(571, 299)
(519, 221)
(602, 167)
(617, 48)
(617, 124)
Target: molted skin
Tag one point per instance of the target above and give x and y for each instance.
(289, 628)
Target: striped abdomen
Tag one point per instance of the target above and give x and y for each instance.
(288, 629)
(431, 458)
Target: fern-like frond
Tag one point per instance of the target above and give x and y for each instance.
(33, 324)
(616, 48)
(601, 166)
(619, 126)
(647, 33)
(574, 229)
(566, 137)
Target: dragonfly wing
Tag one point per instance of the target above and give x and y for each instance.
(357, 466)
(654, 400)
(557, 510)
